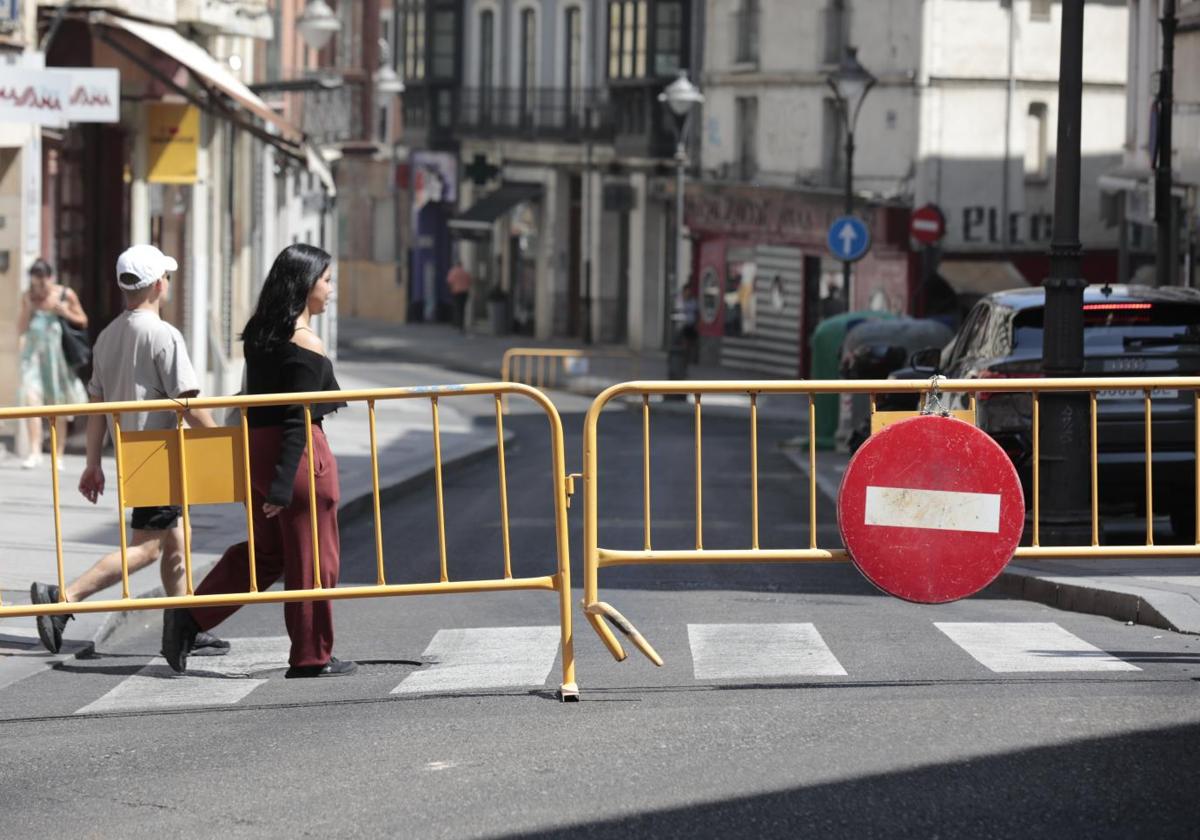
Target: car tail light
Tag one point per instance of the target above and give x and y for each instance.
(1114, 314)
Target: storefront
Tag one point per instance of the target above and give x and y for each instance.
(764, 277)
(174, 170)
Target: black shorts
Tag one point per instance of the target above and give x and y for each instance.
(160, 518)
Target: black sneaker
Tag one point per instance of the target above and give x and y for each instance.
(206, 644)
(178, 638)
(49, 627)
(333, 668)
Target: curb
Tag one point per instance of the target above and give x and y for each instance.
(355, 508)
(1165, 610)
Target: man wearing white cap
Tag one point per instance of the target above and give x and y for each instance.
(138, 356)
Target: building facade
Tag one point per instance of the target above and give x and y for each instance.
(962, 115)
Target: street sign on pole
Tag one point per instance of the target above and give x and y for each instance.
(927, 224)
(931, 509)
(848, 238)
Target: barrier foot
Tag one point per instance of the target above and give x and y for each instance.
(568, 693)
(606, 636)
(601, 609)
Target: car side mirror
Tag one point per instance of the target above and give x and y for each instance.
(927, 358)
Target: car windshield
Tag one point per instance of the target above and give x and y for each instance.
(1118, 327)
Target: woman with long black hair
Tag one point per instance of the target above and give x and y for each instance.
(283, 355)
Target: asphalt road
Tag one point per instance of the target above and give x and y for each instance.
(794, 699)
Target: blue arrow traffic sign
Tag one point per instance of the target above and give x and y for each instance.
(848, 238)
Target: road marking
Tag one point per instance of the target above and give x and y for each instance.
(939, 510)
(482, 658)
(763, 651)
(209, 681)
(1013, 647)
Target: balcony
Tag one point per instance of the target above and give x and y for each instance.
(333, 117)
(549, 114)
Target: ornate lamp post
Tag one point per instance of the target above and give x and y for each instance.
(850, 83)
(681, 98)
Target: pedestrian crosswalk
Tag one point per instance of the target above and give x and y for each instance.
(492, 659)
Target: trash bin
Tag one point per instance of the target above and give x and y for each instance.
(826, 346)
(497, 305)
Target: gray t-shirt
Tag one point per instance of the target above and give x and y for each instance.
(139, 356)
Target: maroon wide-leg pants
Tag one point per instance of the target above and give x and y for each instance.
(283, 546)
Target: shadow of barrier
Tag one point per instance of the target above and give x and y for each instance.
(568, 369)
(1128, 398)
(185, 466)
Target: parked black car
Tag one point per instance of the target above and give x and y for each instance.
(1128, 331)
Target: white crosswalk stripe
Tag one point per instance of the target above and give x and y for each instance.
(1016, 647)
(485, 658)
(209, 681)
(760, 651)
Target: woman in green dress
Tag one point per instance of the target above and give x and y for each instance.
(46, 376)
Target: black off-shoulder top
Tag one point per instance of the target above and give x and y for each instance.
(289, 369)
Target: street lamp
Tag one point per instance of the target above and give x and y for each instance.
(681, 98)
(850, 83)
(387, 82)
(318, 24)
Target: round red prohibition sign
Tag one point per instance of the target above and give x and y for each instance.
(931, 509)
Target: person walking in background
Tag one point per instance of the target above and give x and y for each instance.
(459, 280)
(283, 355)
(137, 357)
(46, 376)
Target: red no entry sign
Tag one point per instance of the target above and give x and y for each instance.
(931, 509)
(927, 224)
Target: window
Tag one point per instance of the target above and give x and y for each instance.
(487, 48)
(668, 37)
(573, 71)
(836, 32)
(831, 144)
(627, 25)
(745, 33)
(414, 40)
(442, 45)
(1036, 153)
(573, 32)
(1039, 10)
(747, 137)
(528, 66)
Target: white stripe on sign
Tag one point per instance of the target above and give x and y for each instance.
(939, 510)
(760, 651)
(1014, 647)
(209, 681)
(926, 225)
(485, 658)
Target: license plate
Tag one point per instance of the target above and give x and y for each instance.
(1134, 394)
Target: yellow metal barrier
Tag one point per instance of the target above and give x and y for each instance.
(547, 367)
(186, 466)
(597, 557)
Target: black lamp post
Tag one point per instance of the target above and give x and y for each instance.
(1164, 216)
(850, 83)
(1065, 450)
(681, 98)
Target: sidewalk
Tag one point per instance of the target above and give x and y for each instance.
(89, 531)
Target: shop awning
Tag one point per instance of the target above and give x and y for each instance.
(971, 277)
(210, 75)
(480, 216)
